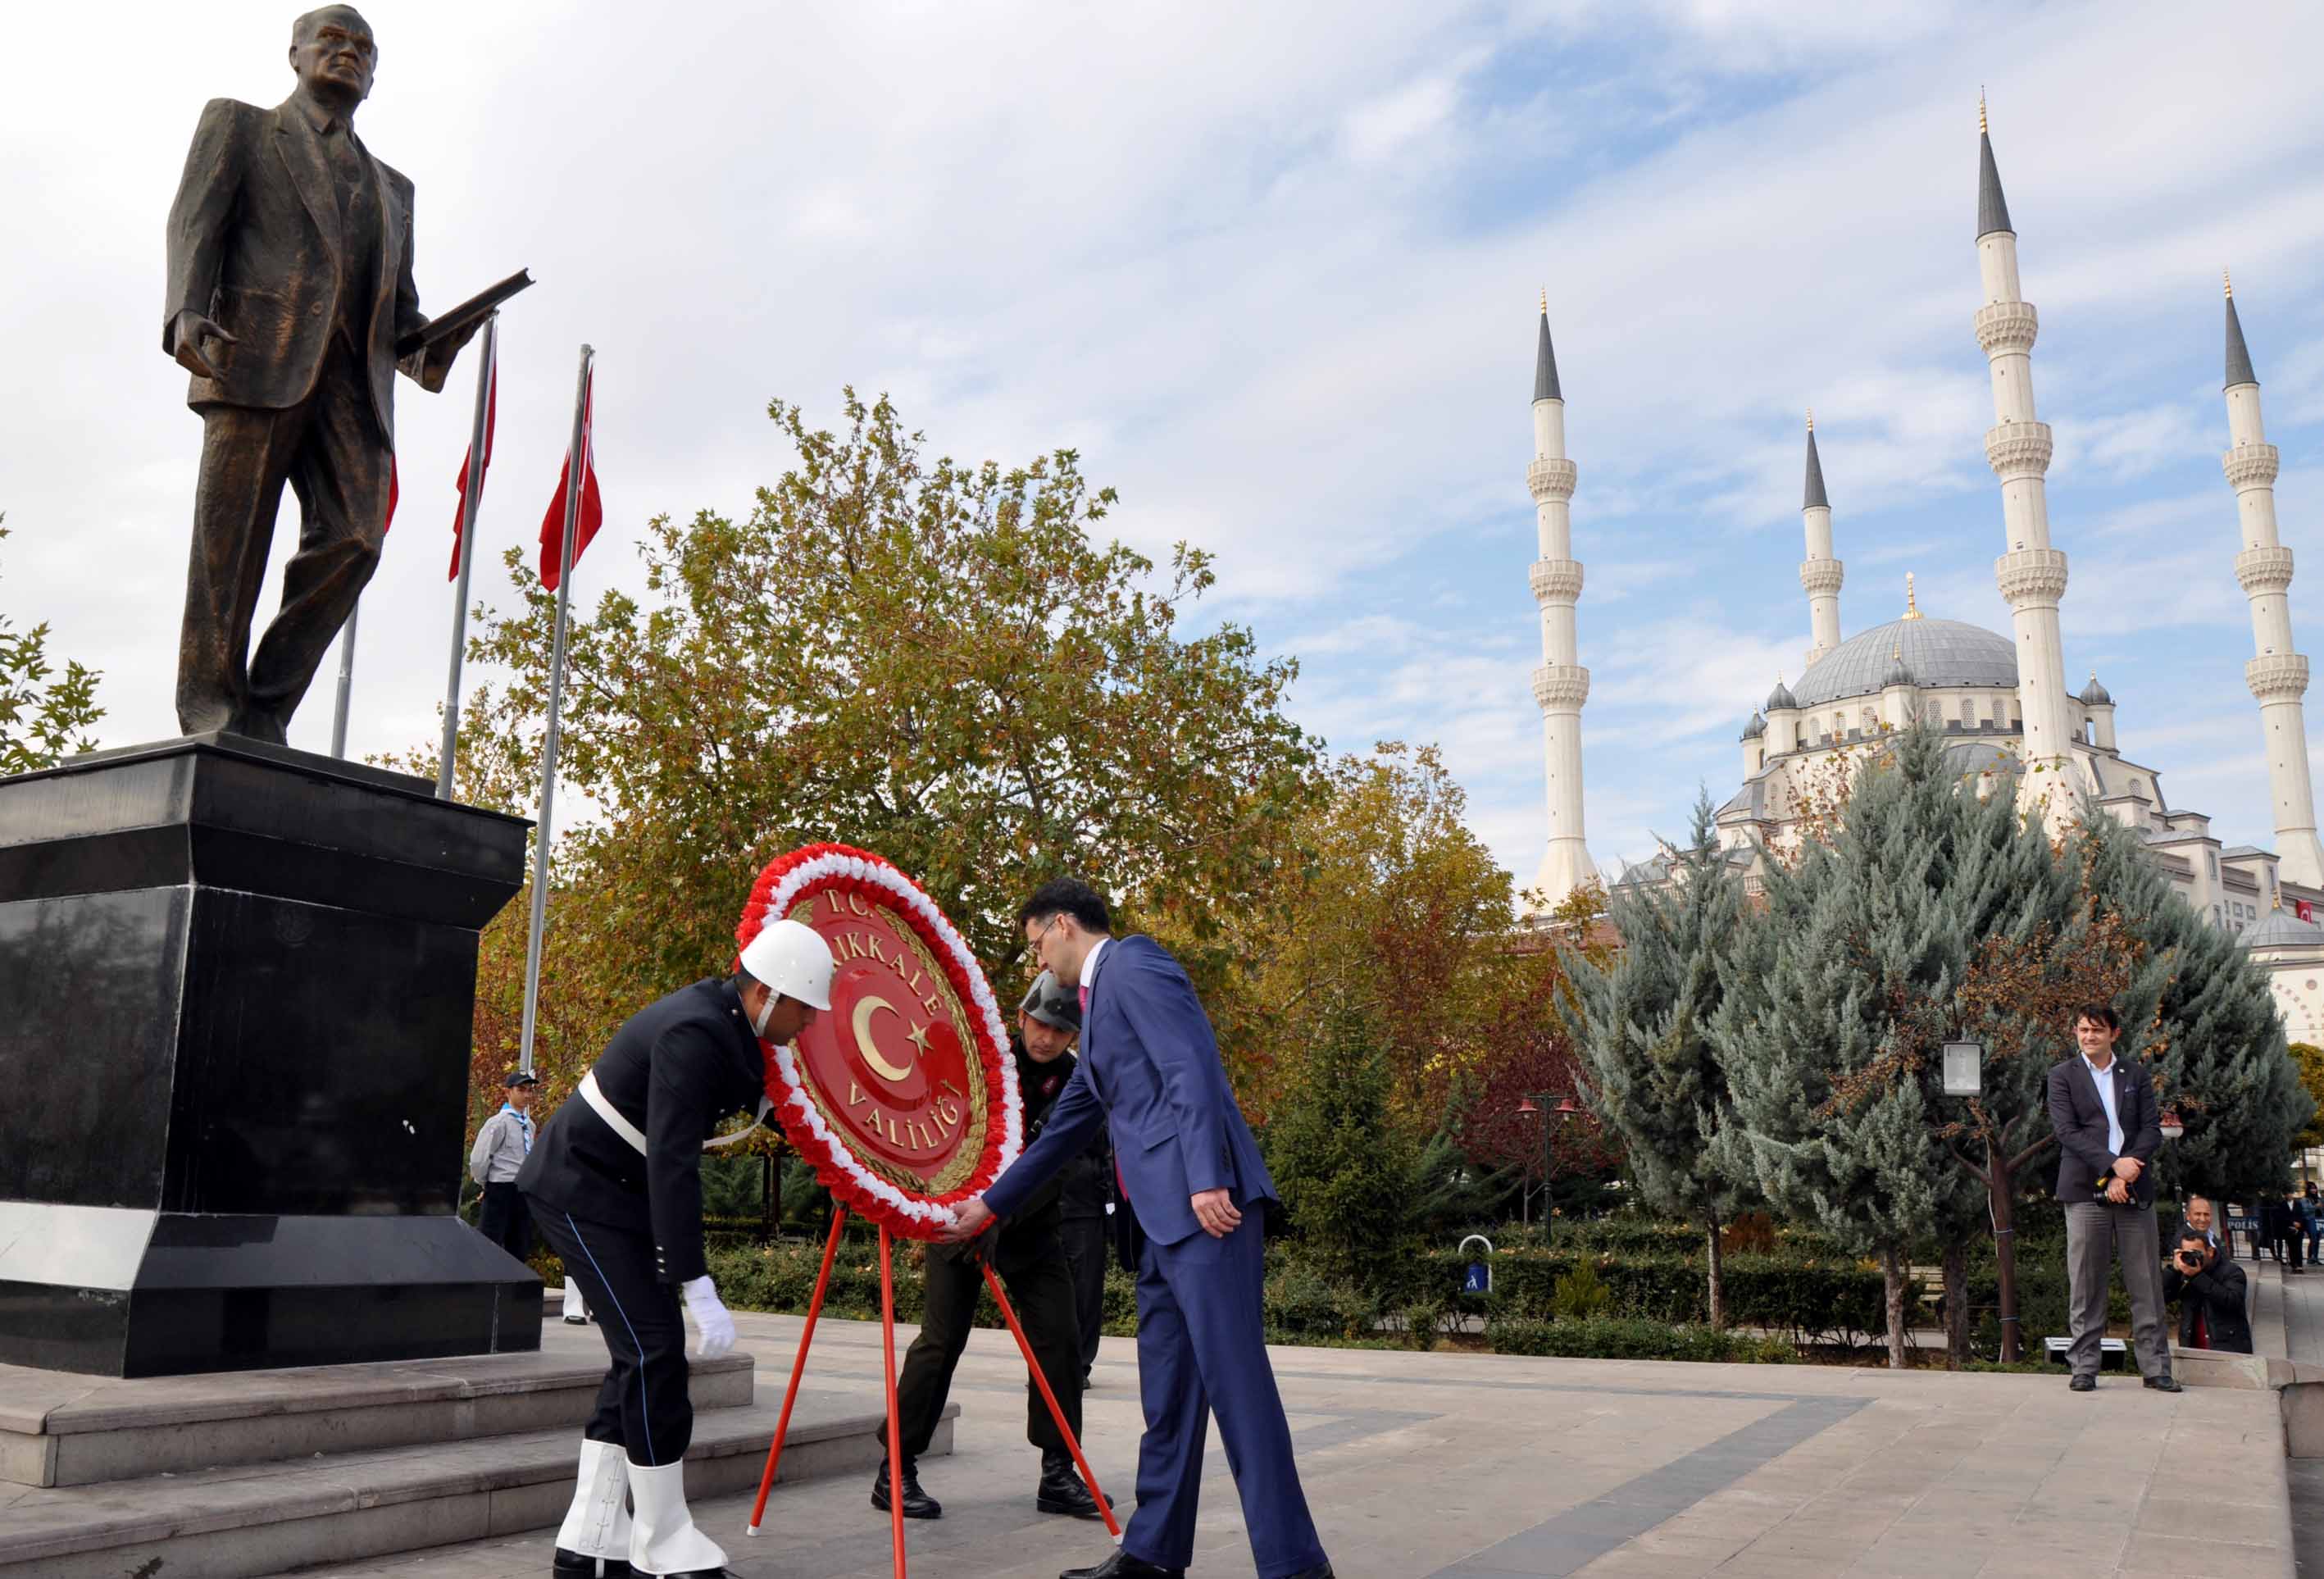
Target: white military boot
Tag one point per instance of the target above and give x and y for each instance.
(663, 1540)
(594, 1541)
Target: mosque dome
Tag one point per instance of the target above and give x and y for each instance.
(2283, 930)
(1940, 654)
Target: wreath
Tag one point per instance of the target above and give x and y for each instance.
(816, 869)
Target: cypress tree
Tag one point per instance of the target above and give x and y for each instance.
(1640, 1018)
(2202, 1017)
(1833, 996)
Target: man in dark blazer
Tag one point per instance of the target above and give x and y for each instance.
(2108, 1130)
(1029, 1252)
(2210, 1294)
(1150, 1072)
(289, 282)
(616, 1185)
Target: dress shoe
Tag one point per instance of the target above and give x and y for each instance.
(1061, 1490)
(917, 1504)
(1320, 1570)
(1122, 1565)
(2164, 1384)
(2084, 1384)
(574, 1565)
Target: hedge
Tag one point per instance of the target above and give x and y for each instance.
(1607, 1337)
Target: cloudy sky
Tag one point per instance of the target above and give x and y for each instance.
(1272, 269)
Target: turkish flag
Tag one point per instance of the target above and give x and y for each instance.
(592, 510)
(2306, 911)
(492, 421)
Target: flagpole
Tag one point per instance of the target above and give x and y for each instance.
(472, 497)
(576, 466)
(346, 680)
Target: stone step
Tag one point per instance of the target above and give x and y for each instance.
(60, 1429)
(259, 1519)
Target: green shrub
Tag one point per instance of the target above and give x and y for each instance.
(1303, 1301)
(1580, 1293)
(1615, 1338)
(1422, 1323)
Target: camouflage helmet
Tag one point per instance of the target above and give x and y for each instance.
(1053, 1004)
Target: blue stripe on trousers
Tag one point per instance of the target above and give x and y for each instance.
(644, 1416)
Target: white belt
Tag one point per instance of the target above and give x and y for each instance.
(602, 1106)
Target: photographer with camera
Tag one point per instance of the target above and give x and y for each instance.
(2211, 1295)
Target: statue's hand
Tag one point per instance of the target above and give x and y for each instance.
(188, 332)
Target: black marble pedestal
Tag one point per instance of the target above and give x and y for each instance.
(237, 984)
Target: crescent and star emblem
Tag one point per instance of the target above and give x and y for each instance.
(864, 1011)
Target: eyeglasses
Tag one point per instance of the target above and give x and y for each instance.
(1043, 935)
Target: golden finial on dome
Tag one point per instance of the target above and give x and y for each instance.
(1981, 128)
(2229, 283)
(1811, 418)
(1545, 302)
(1911, 604)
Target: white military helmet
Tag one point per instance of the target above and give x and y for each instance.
(792, 960)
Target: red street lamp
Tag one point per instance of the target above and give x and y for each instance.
(2170, 1126)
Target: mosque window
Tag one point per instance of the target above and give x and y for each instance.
(1932, 712)
(2215, 868)
(1871, 721)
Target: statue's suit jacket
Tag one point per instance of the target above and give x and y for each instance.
(254, 245)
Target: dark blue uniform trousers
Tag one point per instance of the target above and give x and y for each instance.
(1201, 1351)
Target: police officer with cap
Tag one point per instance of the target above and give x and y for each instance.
(503, 1144)
(616, 1185)
(1029, 1253)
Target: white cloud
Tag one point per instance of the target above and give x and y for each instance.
(1271, 269)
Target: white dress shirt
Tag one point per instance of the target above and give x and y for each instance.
(1089, 965)
(2105, 1077)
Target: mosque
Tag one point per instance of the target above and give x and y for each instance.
(2004, 701)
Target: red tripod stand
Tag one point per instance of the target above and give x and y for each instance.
(895, 1439)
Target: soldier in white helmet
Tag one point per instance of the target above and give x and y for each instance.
(616, 1185)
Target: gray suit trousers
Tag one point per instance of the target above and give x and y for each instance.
(2098, 1233)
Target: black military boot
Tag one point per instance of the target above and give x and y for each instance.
(917, 1504)
(1061, 1490)
(574, 1565)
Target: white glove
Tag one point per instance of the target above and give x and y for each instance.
(710, 1317)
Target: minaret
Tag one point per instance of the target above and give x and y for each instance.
(2277, 676)
(1561, 685)
(1820, 573)
(2032, 574)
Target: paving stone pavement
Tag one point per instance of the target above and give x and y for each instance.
(1461, 1466)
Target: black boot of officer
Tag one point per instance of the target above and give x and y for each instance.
(917, 1504)
(1061, 1490)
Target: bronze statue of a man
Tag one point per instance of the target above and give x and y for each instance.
(289, 285)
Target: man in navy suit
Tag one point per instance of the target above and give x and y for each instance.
(1150, 1072)
(2108, 1130)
